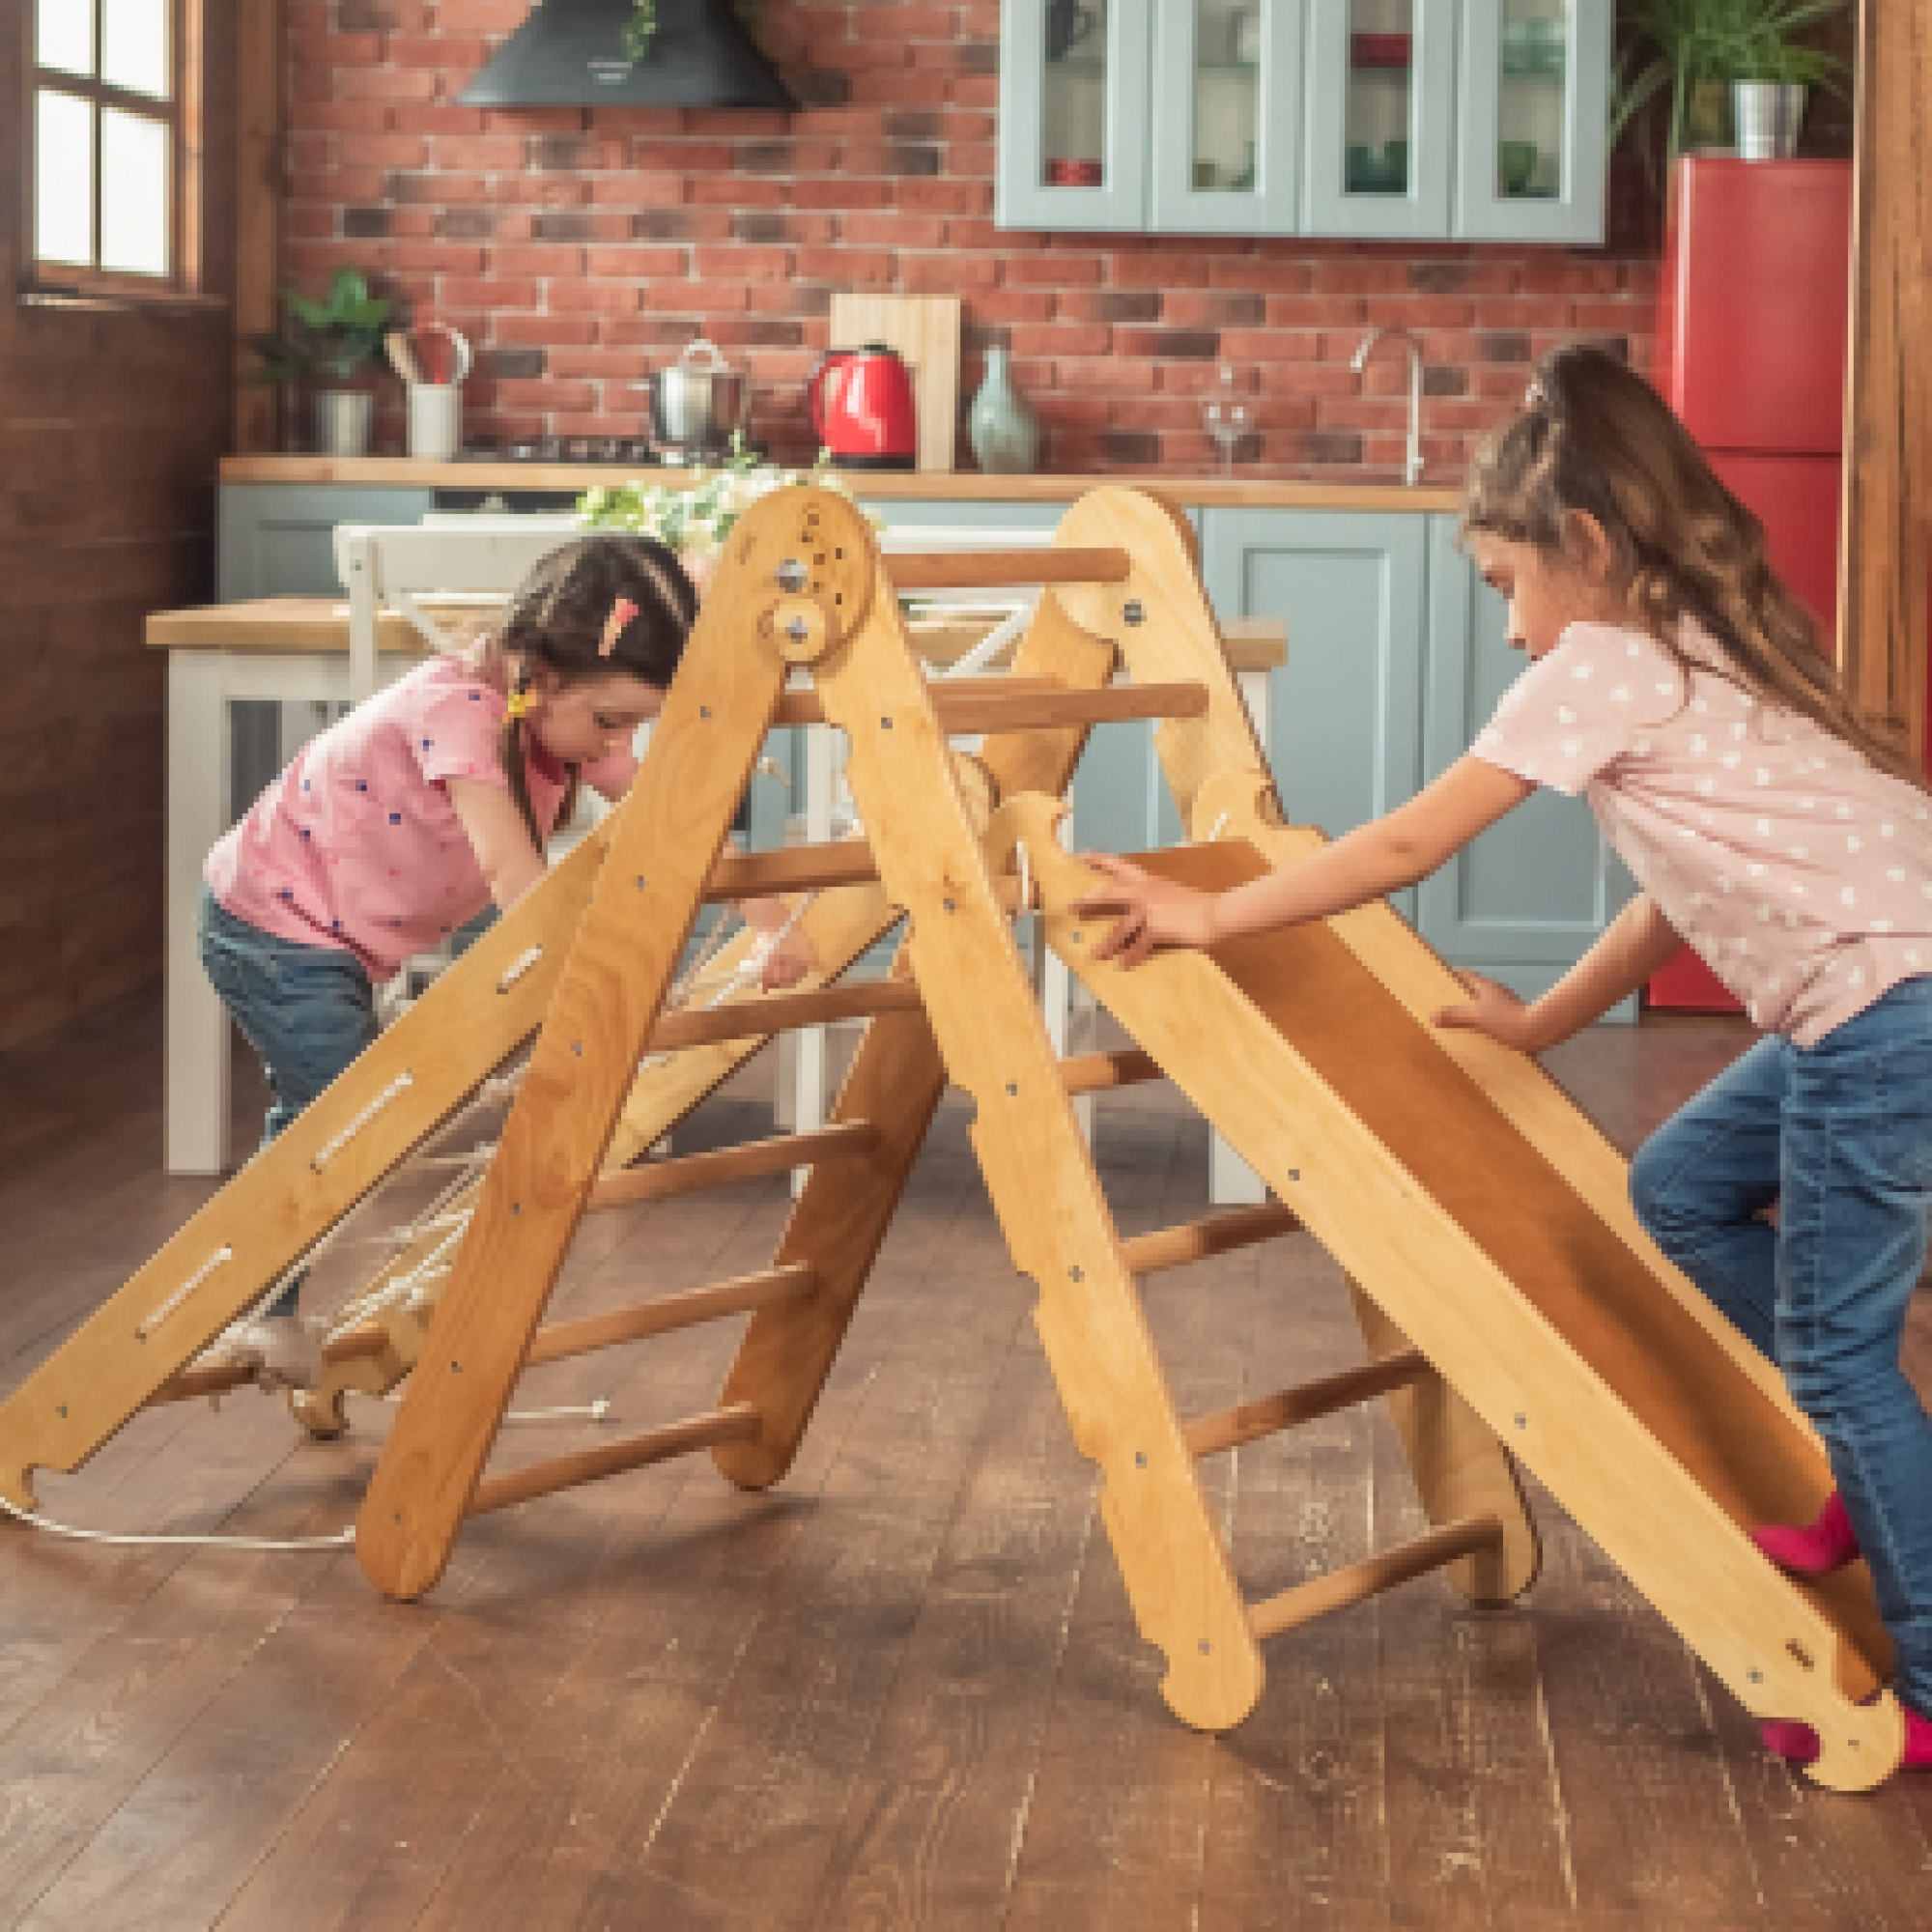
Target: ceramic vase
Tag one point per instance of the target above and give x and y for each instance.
(1003, 431)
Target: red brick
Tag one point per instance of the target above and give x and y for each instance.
(382, 83)
(544, 331)
(1052, 271)
(742, 264)
(633, 264)
(486, 152)
(860, 268)
(599, 298)
(537, 258)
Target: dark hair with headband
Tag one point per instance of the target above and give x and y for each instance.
(1595, 436)
(565, 621)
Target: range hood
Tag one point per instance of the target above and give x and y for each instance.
(570, 53)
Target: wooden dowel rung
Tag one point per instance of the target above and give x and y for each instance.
(990, 707)
(1368, 1579)
(987, 569)
(1285, 1409)
(1216, 1235)
(658, 1445)
(782, 1013)
(693, 1173)
(795, 1281)
(191, 1383)
(807, 707)
(797, 868)
(1096, 1072)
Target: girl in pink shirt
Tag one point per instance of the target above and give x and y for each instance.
(1678, 686)
(428, 804)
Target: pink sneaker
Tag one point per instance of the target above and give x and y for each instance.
(1798, 1744)
(1815, 1550)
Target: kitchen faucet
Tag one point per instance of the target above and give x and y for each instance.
(1412, 468)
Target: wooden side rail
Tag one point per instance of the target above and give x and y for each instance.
(1099, 1072)
(782, 1013)
(1359, 1581)
(989, 708)
(709, 1303)
(1210, 1435)
(693, 1173)
(994, 569)
(1215, 1234)
(589, 1466)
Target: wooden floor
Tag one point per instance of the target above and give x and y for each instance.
(902, 1690)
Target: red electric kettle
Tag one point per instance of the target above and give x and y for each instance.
(861, 408)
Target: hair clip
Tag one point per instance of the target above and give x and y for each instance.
(621, 613)
(519, 704)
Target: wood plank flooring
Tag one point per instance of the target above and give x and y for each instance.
(902, 1689)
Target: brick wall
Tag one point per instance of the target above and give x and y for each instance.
(580, 250)
(111, 425)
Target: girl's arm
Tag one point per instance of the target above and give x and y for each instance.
(1630, 949)
(499, 836)
(1370, 863)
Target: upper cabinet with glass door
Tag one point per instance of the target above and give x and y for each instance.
(1382, 119)
(1531, 153)
(1073, 92)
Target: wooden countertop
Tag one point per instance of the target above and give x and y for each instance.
(877, 486)
(273, 626)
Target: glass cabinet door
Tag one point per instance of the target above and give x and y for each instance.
(1226, 116)
(1531, 157)
(1073, 114)
(1381, 100)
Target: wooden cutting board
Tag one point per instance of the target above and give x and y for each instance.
(924, 329)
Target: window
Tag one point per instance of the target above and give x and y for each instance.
(113, 202)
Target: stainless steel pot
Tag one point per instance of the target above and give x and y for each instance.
(698, 400)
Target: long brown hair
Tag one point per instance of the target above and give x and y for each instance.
(1594, 437)
(556, 621)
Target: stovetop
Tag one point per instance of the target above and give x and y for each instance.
(623, 451)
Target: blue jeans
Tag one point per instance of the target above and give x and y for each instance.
(309, 1011)
(1839, 1135)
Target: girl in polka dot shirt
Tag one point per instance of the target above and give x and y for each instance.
(1678, 686)
(428, 804)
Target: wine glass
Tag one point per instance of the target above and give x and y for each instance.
(1227, 419)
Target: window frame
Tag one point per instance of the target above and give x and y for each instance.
(181, 113)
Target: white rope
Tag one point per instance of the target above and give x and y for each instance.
(518, 967)
(1220, 826)
(224, 1252)
(327, 1153)
(1026, 876)
(990, 648)
(340, 1541)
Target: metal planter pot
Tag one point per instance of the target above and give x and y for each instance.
(342, 421)
(1767, 115)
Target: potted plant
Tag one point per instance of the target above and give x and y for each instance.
(330, 342)
(1695, 52)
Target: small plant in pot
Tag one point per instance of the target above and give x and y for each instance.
(330, 343)
(1696, 54)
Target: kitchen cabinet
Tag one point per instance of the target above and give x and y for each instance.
(278, 539)
(1524, 900)
(1382, 119)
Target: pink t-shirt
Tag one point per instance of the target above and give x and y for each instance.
(1800, 871)
(357, 845)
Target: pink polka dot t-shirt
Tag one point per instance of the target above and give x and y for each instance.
(357, 845)
(1800, 872)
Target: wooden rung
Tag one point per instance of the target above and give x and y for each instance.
(989, 708)
(1096, 1072)
(782, 1013)
(795, 1281)
(1216, 1235)
(657, 1445)
(798, 868)
(990, 569)
(693, 1172)
(805, 707)
(191, 1383)
(1370, 1577)
(1209, 1434)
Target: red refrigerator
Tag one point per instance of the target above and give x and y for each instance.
(1753, 318)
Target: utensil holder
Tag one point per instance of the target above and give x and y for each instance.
(435, 421)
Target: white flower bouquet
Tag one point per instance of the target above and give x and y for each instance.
(693, 520)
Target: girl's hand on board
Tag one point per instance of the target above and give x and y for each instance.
(790, 960)
(1495, 1010)
(1153, 912)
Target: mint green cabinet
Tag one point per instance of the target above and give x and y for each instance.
(278, 539)
(1394, 119)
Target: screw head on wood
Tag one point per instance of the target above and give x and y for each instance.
(1135, 611)
(791, 575)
